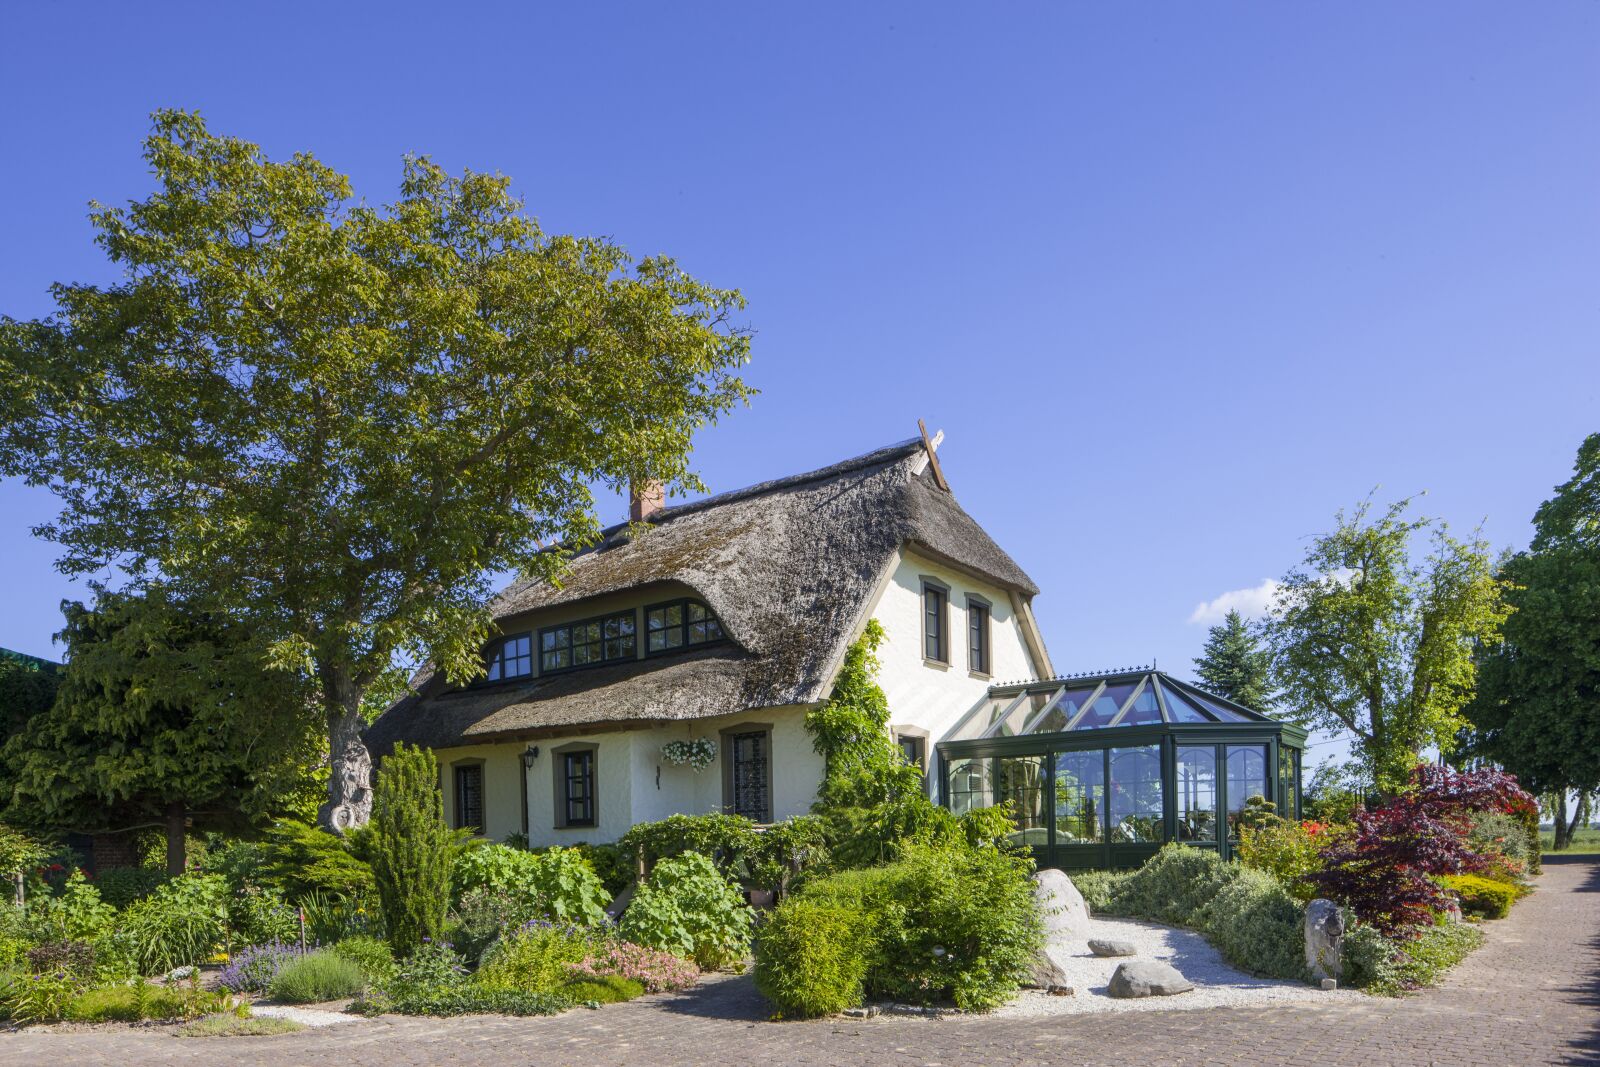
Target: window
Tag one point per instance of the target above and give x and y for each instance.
(747, 772)
(588, 643)
(1136, 794)
(679, 624)
(1080, 796)
(914, 750)
(469, 797)
(977, 635)
(1197, 793)
(575, 795)
(934, 600)
(511, 658)
(1247, 777)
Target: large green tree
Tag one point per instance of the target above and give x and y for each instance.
(1368, 638)
(335, 421)
(1537, 711)
(1233, 664)
(165, 717)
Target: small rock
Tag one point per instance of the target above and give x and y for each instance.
(1147, 978)
(1330, 984)
(1060, 991)
(1102, 946)
(1049, 970)
(867, 1012)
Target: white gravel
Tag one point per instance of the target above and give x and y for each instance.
(304, 1016)
(1216, 984)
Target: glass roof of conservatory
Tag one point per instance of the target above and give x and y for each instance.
(1140, 697)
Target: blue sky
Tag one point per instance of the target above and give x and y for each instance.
(1177, 280)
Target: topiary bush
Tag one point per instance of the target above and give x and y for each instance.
(411, 849)
(812, 957)
(316, 977)
(1487, 897)
(688, 907)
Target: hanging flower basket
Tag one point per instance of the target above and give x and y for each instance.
(697, 754)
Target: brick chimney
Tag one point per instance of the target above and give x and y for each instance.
(645, 500)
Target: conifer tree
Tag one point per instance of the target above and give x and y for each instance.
(1233, 665)
(412, 850)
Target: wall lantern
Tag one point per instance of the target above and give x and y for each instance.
(529, 756)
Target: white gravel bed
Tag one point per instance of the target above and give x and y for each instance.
(1216, 984)
(304, 1016)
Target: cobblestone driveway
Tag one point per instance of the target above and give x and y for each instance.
(1531, 995)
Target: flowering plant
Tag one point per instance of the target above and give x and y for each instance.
(697, 753)
(656, 970)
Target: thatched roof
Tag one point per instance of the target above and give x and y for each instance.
(788, 566)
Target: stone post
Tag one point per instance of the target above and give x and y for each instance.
(1324, 940)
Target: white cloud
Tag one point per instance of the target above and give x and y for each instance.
(1252, 603)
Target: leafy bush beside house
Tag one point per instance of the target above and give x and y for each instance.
(688, 907)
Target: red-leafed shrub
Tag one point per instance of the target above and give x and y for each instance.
(1385, 871)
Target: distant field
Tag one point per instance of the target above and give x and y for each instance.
(1584, 842)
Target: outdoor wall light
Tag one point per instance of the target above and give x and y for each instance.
(529, 756)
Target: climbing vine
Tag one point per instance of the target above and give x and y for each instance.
(862, 765)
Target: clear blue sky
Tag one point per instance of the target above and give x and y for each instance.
(1177, 280)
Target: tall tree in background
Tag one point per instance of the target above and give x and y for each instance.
(1537, 712)
(164, 716)
(334, 421)
(1369, 641)
(27, 688)
(1233, 664)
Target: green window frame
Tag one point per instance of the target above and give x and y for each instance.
(588, 642)
(510, 657)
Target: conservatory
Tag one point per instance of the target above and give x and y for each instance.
(1103, 769)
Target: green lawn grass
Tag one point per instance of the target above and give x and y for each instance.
(1584, 843)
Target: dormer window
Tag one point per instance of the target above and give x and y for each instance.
(588, 643)
(679, 624)
(511, 658)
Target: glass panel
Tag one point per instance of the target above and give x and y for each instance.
(750, 776)
(1105, 708)
(1013, 723)
(969, 787)
(1247, 777)
(1197, 793)
(1179, 708)
(1080, 797)
(933, 610)
(1058, 717)
(1145, 710)
(1020, 779)
(1222, 713)
(1136, 794)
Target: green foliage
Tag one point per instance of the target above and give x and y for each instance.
(39, 998)
(436, 381)
(370, 954)
(316, 977)
(607, 990)
(1366, 639)
(256, 916)
(141, 1001)
(1288, 851)
(611, 864)
(1259, 813)
(463, 999)
(307, 859)
(1528, 715)
(862, 766)
(1175, 886)
(535, 959)
(1391, 967)
(725, 839)
(1233, 664)
(688, 907)
(412, 849)
(18, 851)
(229, 1025)
(1487, 897)
(1099, 887)
(182, 923)
(784, 851)
(332, 917)
(812, 957)
(76, 914)
(1497, 832)
(121, 886)
(162, 703)
(557, 884)
(75, 959)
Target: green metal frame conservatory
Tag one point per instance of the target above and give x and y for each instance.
(1104, 769)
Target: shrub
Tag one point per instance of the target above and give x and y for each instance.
(1258, 926)
(464, 999)
(783, 852)
(1098, 887)
(251, 970)
(1175, 886)
(317, 976)
(234, 1026)
(611, 864)
(607, 990)
(336, 916)
(304, 859)
(121, 886)
(655, 970)
(434, 965)
(535, 959)
(370, 954)
(1288, 851)
(140, 1001)
(39, 998)
(1498, 833)
(412, 850)
(687, 906)
(1389, 966)
(256, 915)
(181, 923)
(812, 957)
(75, 959)
(1481, 896)
(556, 884)
(77, 913)
(725, 839)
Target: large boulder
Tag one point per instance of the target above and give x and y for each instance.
(1061, 906)
(1147, 978)
(1324, 939)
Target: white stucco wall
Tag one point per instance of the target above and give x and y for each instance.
(502, 794)
(935, 696)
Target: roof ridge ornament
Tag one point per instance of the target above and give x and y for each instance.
(931, 446)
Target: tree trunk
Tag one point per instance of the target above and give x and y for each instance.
(176, 857)
(349, 802)
(1580, 817)
(1560, 806)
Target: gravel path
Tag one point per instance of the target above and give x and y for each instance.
(1216, 984)
(304, 1016)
